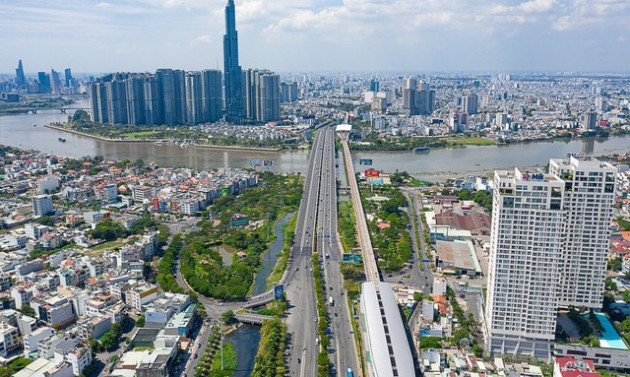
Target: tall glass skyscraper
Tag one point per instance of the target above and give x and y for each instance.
(233, 74)
(20, 79)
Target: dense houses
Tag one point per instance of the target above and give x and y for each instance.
(57, 293)
(74, 298)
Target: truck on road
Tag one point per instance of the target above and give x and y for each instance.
(350, 374)
(331, 301)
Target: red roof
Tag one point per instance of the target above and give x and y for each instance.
(578, 373)
(473, 221)
(572, 367)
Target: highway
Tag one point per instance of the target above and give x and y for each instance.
(343, 349)
(300, 291)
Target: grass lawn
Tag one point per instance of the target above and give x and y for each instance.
(140, 135)
(108, 245)
(476, 140)
(229, 362)
(346, 226)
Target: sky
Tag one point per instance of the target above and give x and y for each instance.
(318, 35)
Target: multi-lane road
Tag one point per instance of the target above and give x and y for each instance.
(316, 230)
(343, 352)
(300, 292)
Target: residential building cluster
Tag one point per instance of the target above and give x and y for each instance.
(167, 97)
(77, 293)
(505, 108)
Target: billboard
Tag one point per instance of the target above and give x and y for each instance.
(268, 163)
(365, 161)
(371, 173)
(278, 292)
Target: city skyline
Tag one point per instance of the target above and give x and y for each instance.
(535, 35)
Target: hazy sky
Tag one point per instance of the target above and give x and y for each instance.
(318, 35)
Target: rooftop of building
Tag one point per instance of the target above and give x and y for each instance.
(527, 175)
(381, 313)
(39, 367)
(459, 254)
(583, 162)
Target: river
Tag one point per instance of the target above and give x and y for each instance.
(439, 164)
(246, 338)
(270, 259)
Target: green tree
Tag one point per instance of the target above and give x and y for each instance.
(140, 321)
(227, 317)
(417, 296)
(81, 116)
(46, 220)
(614, 264)
(27, 310)
(108, 230)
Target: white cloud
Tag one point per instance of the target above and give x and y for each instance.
(433, 19)
(320, 27)
(202, 39)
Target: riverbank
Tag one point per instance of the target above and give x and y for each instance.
(34, 105)
(195, 145)
(95, 137)
(450, 142)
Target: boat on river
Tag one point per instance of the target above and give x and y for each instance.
(421, 150)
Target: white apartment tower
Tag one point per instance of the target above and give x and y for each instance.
(589, 208)
(523, 276)
(549, 244)
(42, 205)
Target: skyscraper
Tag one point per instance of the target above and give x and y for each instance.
(232, 71)
(56, 81)
(98, 102)
(20, 79)
(262, 95)
(68, 77)
(116, 102)
(136, 112)
(548, 249)
(44, 82)
(212, 95)
(288, 92)
(194, 97)
(374, 86)
(470, 104)
(154, 111)
(417, 101)
(410, 87)
(589, 201)
(173, 90)
(590, 120)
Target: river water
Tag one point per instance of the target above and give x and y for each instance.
(270, 259)
(245, 341)
(246, 338)
(18, 130)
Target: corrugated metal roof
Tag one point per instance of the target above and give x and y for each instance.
(386, 337)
